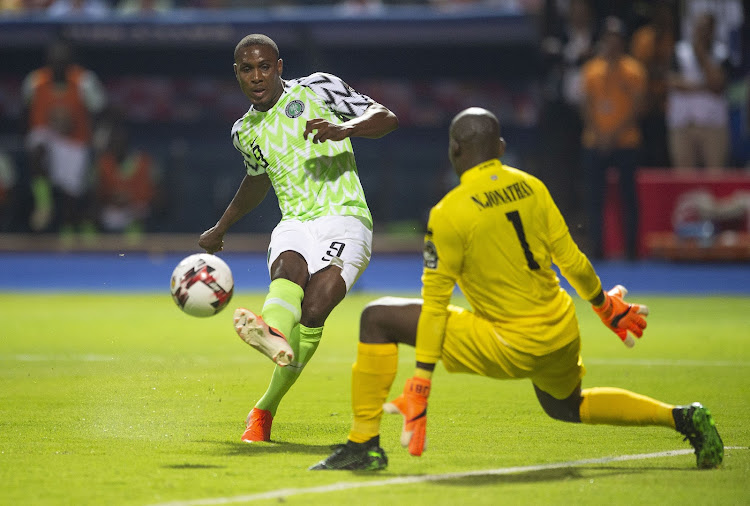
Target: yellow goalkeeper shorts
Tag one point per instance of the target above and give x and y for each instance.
(474, 345)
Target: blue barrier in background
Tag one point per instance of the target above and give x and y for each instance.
(137, 272)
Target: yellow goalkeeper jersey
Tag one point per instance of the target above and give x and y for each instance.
(497, 234)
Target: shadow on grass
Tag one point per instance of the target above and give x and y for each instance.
(520, 477)
(232, 448)
(192, 466)
(547, 475)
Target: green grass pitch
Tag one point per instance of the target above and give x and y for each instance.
(122, 399)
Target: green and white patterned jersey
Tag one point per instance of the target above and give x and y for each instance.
(310, 179)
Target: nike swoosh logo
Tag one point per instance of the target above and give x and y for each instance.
(616, 319)
(420, 415)
(276, 333)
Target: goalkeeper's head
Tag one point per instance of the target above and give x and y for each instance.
(474, 139)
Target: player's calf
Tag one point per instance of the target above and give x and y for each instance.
(564, 410)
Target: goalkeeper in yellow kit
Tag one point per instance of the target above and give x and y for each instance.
(496, 235)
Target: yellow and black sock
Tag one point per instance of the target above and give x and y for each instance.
(615, 406)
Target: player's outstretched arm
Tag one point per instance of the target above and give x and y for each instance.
(619, 316)
(251, 192)
(376, 122)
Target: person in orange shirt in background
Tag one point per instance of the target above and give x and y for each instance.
(613, 89)
(653, 45)
(126, 184)
(61, 101)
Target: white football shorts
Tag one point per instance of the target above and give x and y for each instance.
(342, 241)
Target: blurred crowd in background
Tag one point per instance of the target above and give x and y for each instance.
(127, 140)
(130, 7)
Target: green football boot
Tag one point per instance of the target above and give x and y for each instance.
(696, 423)
(353, 456)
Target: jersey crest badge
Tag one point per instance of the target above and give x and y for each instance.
(430, 255)
(294, 109)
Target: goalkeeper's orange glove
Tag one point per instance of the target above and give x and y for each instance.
(412, 404)
(622, 317)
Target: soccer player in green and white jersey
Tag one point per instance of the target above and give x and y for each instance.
(295, 137)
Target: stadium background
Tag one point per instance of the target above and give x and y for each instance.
(171, 73)
(173, 76)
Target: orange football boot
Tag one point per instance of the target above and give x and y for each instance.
(258, 426)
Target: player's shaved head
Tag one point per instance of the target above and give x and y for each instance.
(474, 138)
(256, 39)
(475, 125)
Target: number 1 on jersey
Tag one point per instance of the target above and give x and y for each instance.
(515, 219)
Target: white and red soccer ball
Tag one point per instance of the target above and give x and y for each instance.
(202, 284)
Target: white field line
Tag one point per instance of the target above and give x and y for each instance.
(666, 362)
(90, 357)
(405, 480)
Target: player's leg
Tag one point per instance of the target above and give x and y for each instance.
(325, 290)
(341, 253)
(338, 252)
(557, 383)
(470, 345)
(288, 269)
(277, 330)
(613, 406)
(270, 331)
(617, 406)
(274, 332)
(565, 410)
(384, 323)
(282, 308)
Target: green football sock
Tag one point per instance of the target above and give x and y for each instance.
(304, 342)
(283, 306)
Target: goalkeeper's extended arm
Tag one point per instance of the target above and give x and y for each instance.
(620, 316)
(412, 405)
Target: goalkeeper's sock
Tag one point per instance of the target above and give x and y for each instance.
(372, 376)
(423, 373)
(282, 308)
(304, 341)
(615, 406)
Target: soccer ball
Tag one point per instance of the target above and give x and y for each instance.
(202, 284)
